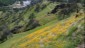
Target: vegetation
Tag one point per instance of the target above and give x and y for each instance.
(6, 2)
(42, 24)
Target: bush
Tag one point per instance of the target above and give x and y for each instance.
(32, 16)
(7, 2)
(5, 35)
(43, 6)
(37, 9)
(72, 29)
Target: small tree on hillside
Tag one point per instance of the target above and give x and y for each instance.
(37, 9)
(43, 6)
(32, 16)
(31, 21)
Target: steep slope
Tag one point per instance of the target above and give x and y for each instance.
(50, 35)
(12, 21)
(19, 18)
(37, 27)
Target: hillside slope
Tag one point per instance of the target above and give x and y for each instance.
(18, 20)
(43, 24)
(53, 35)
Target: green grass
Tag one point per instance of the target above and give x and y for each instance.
(66, 40)
(16, 37)
(40, 16)
(45, 20)
(46, 10)
(26, 15)
(74, 41)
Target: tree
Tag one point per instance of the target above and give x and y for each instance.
(36, 1)
(32, 16)
(7, 2)
(37, 9)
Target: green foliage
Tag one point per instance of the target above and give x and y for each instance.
(37, 9)
(32, 16)
(7, 2)
(27, 17)
(36, 1)
(71, 30)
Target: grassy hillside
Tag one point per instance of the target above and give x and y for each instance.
(21, 18)
(54, 34)
(46, 24)
(18, 20)
(21, 35)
